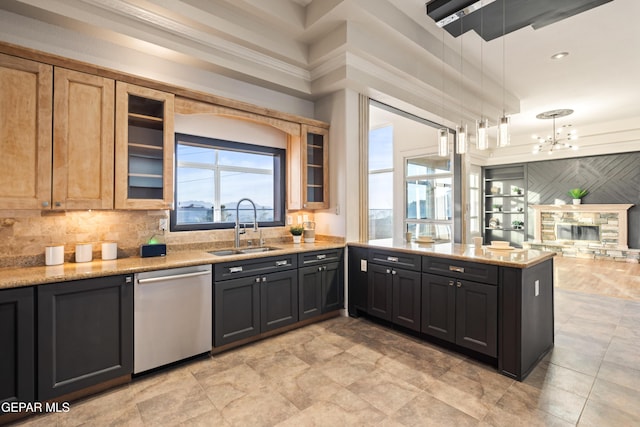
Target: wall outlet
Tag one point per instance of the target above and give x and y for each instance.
(289, 220)
(162, 224)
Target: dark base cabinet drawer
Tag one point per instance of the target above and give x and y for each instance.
(483, 273)
(395, 259)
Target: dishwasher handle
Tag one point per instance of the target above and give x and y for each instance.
(173, 277)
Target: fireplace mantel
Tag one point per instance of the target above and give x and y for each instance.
(619, 209)
(582, 208)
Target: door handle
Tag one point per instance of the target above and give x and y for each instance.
(321, 256)
(456, 269)
(174, 277)
(392, 258)
(281, 263)
(235, 269)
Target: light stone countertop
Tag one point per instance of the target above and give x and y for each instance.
(518, 258)
(28, 276)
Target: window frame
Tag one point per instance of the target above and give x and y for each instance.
(279, 181)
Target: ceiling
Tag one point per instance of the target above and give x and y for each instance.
(389, 49)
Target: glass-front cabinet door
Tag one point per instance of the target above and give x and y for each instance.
(315, 155)
(144, 148)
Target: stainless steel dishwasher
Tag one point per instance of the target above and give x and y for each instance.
(172, 316)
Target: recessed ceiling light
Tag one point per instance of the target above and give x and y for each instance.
(559, 55)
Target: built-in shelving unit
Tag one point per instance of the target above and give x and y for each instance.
(505, 204)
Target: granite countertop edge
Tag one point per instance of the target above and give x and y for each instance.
(518, 258)
(16, 277)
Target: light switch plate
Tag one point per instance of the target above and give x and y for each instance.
(363, 265)
(537, 288)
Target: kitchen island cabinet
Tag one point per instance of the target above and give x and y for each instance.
(84, 335)
(493, 305)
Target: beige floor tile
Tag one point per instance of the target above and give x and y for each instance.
(599, 414)
(623, 398)
(426, 410)
(259, 408)
(175, 406)
(384, 391)
(550, 374)
(621, 375)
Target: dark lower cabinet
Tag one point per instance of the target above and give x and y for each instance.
(461, 311)
(406, 298)
(380, 292)
(17, 348)
(439, 307)
(394, 295)
(85, 334)
(477, 317)
(321, 290)
(321, 284)
(248, 306)
(236, 309)
(278, 300)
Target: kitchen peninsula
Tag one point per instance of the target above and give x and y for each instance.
(494, 305)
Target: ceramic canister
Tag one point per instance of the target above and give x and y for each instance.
(109, 250)
(84, 252)
(54, 255)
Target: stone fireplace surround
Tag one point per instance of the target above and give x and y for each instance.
(610, 218)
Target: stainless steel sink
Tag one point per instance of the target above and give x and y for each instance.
(224, 252)
(258, 250)
(227, 252)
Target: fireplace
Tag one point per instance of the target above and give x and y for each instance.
(578, 232)
(595, 225)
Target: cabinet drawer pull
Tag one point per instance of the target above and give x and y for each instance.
(392, 258)
(321, 256)
(281, 263)
(459, 284)
(235, 269)
(457, 269)
(450, 282)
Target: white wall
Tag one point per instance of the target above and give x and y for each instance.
(342, 218)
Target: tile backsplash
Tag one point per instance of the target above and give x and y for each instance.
(24, 234)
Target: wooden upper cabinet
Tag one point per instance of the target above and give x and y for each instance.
(315, 167)
(25, 133)
(83, 144)
(144, 148)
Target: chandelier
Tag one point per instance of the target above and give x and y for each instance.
(560, 138)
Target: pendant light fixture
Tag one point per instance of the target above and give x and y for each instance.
(443, 142)
(503, 122)
(482, 125)
(461, 131)
(443, 133)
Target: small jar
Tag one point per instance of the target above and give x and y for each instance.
(84, 252)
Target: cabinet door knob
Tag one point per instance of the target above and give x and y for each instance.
(45, 204)
(393, 272)
(450, 282)
(459, 284)
(319, 268)
(58, 204)
(388, 271)
(264, 279)
(257, 280)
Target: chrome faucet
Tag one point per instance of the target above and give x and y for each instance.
(237, 228)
